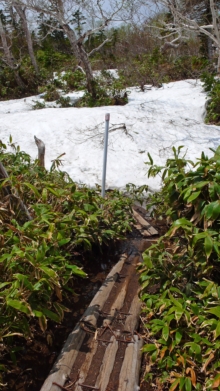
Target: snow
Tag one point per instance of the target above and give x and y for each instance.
(153, 121)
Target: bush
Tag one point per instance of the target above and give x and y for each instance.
(37, 261)
(109, 92)
(64, 101)
(38, 105)
(51, 93)
(74, 80)
(211, 84)
(180, 276)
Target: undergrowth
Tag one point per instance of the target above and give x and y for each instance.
(211, 84)
(37, 262)
(180, 277)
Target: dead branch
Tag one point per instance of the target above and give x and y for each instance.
(41, 151)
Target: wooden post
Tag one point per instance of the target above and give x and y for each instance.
(41, 151)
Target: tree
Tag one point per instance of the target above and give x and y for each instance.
(96, 17)
(200, 17)
(21, 11)
(8, 57)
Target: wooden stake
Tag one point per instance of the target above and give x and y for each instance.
(41, 151)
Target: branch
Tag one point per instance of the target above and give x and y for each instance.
(99, 47)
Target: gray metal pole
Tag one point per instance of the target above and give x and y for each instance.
(107, 118)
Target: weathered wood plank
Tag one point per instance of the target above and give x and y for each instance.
(149, 230)
(67, 357)
(119, 301)
(140, 219)
(132, 320)
(107, 365)
(129, 374)
(92, 313)
(86, 365)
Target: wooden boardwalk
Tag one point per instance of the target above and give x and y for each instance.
(103, 352)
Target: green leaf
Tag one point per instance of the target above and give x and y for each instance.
(165, 333)
(175, 301)
(214, 311)
(188, 384)
(208, 245)
(19, 305)
(38, 314)
(44, 195)
(48, 271)
(50, 314)
(194, 347)
(53, 191)
(178, 336)
(150, 158)
(76, 270)
(193, 196)
(199, 236)
(212, 211)
(149, 348)
(33, 188)
(217, 330)
(64, 241)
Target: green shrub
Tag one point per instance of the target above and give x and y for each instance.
(109, 91)
(38, 105)
(51, 93)
(180, 276)
(37, 259)
(64, 101)
(74, 80)
(211, 85)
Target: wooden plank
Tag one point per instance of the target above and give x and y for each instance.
(86, 365)
(67, 357)
(132, 320)
(149, 230)
(107, 365)
(92, 313)
(119, 301)
(130, 370)
(140, 219)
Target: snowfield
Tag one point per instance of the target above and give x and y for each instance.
(153, 121)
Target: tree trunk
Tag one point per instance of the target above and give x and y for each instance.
(83, 58)
(21, 13)
(9, 58)
(88, 70)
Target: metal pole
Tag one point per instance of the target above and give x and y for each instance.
(107, 118)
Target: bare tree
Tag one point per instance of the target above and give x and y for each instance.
(8, 57)
(98, 16)
(186, 20)
(21, 11)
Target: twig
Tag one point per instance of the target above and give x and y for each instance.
(124, 340)
(86, 385)
(103, 340)
(61, 387)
